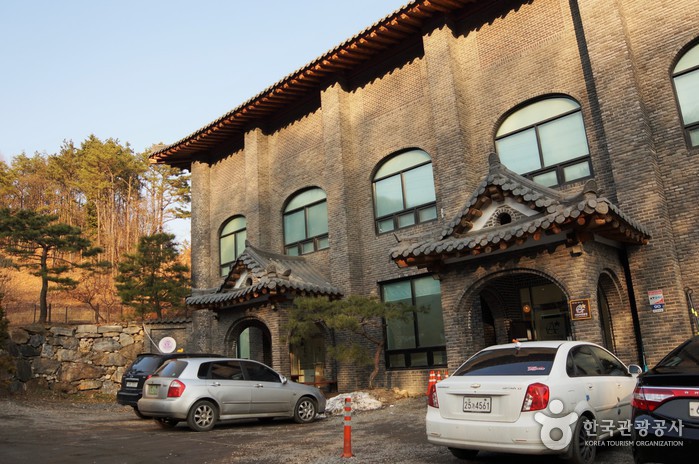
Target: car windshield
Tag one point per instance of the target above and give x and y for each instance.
(509, 361)
(682, 357)
(172, 368)
(146, 364)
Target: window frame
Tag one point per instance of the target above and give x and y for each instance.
(403, 189)
(686, 128)
(557, 168)
(235, 234)
(316, 239)
(407, 353)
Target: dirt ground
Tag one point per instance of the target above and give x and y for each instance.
(96, 430)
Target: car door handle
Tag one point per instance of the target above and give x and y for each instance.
(589, 386)
(216, 384)
(259, 385)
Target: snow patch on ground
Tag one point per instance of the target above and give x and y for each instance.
(361, 401)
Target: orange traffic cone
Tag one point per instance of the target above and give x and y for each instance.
(431, 383)
(446, 374)
(439, 376)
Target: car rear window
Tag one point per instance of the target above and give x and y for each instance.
(509, 361)
(172, 368)
(683, 357)
(146, 364)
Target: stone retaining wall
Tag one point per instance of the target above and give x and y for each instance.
(73, 358)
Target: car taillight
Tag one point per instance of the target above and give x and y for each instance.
(536, 398)
(432, 399)
(649, 398)
(175, 389)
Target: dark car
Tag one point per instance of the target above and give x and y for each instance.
(666, 408)
(136, 374)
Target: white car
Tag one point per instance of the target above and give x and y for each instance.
(549, 397)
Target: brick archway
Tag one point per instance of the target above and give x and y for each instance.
(250, 338)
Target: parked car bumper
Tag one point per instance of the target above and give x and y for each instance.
(522, 436)
(663, 443)
(163, 408)
(128, 398)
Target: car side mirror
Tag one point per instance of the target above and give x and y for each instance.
(283, 379)
(635, 369)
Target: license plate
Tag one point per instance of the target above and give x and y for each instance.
(477, 404)
(131, 384)
(694, 408)
(153, 390)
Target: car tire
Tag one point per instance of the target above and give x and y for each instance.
(463, 453)
(139, 413)
(202, 416)
(581, 452)
(166, 423)
(305, 410)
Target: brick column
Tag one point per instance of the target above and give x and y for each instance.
(201, 226)
(257, 189)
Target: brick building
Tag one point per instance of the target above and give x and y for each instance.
(525, 169)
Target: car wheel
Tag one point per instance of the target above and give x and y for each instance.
(582, 450)
(166, 423)
(305, 410)
(463, 453)
(139, 413)
(202, 416)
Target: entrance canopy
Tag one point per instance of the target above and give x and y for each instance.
(508, 212)
(258, 276)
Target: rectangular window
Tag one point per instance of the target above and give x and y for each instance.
(563, 139)
(418, 341)
(294, 227)
(519, 152)
(318, 219)
(420, 186)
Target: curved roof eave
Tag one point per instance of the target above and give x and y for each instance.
(383, 34)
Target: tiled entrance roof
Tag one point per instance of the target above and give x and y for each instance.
(258, 275)
(507, 210)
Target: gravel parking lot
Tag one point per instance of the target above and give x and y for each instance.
(70, 430)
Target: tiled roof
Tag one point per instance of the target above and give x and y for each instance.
(269, 274)
(407, 21)
(551, 213)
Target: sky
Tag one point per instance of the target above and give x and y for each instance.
(153, 71)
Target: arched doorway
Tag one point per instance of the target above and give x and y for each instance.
(250, 339)
(615, 318)
(528, 306)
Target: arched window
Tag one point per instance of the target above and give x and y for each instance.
(545, 141)
(685, 78)
(404, 191)
(232, 242)
(306, 223)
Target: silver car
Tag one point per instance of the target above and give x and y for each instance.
(203, 391)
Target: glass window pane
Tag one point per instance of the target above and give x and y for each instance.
(386, 225)
(519, 152)
(292, 250)
(318, 219)
(305, 198)
(398, 292)
(419, 186)
(225, 270)
(402, 162)
(307, 248)
(240, 238)
(688, 60)
(234, 225)
(439, 357)
(430, 324)
(547, 179)
(535, 113)
(563, 139)
(294, 227)
(576, 171)
(694, 137)
(418, 359)
(227, 249)
(405, 220)
(323, 243)
(427, 214)
(389, 196)
(396, 360)
(400, 334)
(688, 94)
